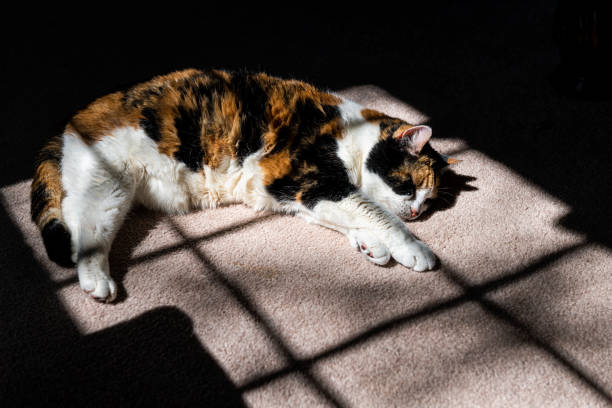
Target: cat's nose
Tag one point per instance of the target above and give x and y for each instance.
(413, 212)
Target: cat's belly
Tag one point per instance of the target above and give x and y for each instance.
(233, 183)
(166, 184)
(169, 185)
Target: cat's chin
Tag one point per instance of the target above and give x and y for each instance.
(408, 217)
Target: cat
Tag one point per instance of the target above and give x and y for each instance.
(196, 139)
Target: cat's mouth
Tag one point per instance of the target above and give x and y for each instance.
(410, 215)
(413, 213)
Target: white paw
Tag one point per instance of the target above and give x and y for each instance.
(414, 254)
(374, 250)
(95, 281)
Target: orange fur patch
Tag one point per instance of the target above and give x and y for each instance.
(101, 117)
(275, 166)
(372, 115)
(47, 176)
(420, 172)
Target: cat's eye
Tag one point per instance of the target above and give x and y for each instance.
(403, 188)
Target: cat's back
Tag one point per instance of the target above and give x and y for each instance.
(203, 117)
(217, 125)
(146, 105)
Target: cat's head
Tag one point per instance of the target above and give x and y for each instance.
(402, 171)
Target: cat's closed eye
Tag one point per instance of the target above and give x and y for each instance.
(406, 190)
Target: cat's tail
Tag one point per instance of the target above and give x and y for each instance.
(46, 203)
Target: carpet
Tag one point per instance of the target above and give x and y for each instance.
(230, 307)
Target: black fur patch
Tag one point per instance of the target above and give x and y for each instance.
(190, 122)
(306, 123)
(329, 182)
(332, 181)
(135, 99)
(150, 123)
(386, 156)
(313, 149)
(285, 188)
(439, 162)
(188, 125)
(56, 238)
(253, 100)
(151, 93)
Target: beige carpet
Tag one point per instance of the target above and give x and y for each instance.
(230, 307)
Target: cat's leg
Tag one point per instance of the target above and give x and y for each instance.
(366, 243)
(98, 226)
(371, 224)
(98, 196)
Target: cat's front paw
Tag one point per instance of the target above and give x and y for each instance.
(414, 254)
(373, 249)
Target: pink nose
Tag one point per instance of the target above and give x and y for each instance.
(413, 212)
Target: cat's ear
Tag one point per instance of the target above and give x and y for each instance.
(413, 138)
(449, 160)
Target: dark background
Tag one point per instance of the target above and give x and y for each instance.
(485, 72)
(482, 71)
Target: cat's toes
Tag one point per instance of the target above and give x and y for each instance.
(416, 255)
(374, 250)
(377, 254)
(98, 285)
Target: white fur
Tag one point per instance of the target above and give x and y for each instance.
(358, 139)
(99, 191)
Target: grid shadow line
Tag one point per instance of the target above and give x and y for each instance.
(330, 395)
(173, 248)
(563, 358)
(472, 293)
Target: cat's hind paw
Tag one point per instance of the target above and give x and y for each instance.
(96, 283)
(373, 249)
(100, 287)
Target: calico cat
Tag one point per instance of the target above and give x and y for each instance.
(197, 139)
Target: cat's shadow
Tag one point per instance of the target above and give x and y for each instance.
(137, 226)
(451, 186)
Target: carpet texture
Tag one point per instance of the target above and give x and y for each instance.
(229, 306)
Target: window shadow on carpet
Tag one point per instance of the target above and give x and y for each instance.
(150, 360)
(154, 359)
(480, 73)
(471, 293)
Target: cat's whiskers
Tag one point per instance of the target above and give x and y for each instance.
(445, 196)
